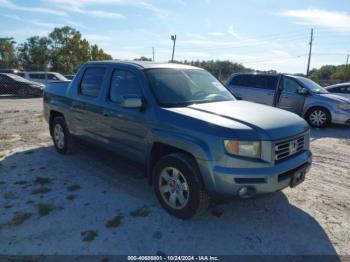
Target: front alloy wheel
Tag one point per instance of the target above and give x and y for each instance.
(178, 186)
(58, 136)
(173, 187)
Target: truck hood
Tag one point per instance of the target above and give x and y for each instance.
(247, 120)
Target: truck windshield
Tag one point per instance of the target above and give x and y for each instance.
(183, 87)
(312, 86)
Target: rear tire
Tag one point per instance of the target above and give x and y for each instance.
(178, 186)
(318, 117)
(61, 137)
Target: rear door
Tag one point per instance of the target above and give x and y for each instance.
(255, 88)
(290, 99)
(86, 111)
(265, 88)
(126, 128)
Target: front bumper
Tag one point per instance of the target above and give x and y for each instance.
(224, 182)
(341, 117)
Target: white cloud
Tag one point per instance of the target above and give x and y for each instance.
(33, 22)
(216, 33)
(79, 6)
(9, 5)
(333, 20)
(96, 37)
(232, 32)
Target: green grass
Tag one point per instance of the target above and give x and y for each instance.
(73, 187)
(115, 222)
(41, 190)
(19, 218)
(89, 235)
(42, 180)
(45, 209)
(71, 197)
(141, 212)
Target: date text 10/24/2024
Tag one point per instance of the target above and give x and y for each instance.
(173, 258)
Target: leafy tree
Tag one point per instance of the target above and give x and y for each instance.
(7, 52)
(99, 54)
(143, 58)
(34, 54)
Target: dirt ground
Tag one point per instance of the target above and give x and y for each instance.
(93, 202)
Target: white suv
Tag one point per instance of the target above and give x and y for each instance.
(43, 77)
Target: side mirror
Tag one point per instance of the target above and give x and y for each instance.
(131, 101)
(303, 91)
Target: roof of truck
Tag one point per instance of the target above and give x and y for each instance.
(145, 64)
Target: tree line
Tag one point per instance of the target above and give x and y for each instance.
(63, 50)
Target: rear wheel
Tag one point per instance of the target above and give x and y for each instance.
(318, 117)
(61, 137)
(178, 187)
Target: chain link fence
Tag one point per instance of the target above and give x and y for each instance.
(28, 83)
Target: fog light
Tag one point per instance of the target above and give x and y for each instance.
(243, 191)
(246, 192)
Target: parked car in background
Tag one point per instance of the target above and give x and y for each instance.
(16, 85)
(340, 89)
(297, 94)
(195, 140)
(69, 77)
(10, 70)
(43, 77)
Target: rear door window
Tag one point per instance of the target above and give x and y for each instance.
(266, 82)
(52, 77)
(92, 81)
(37, 76)
(345, 90)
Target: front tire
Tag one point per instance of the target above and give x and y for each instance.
(318, 117)
(178, 187)
(61, 137)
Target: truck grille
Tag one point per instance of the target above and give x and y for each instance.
(289, 147)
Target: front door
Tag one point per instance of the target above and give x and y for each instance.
(290, 99)
(126, 128)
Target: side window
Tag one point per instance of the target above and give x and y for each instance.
(343, 89)
(51, 77)
(92, 80)
(123, 83)
(266, 82)
(37, 76)
(290, 85)
(236, 80)
(20, 74)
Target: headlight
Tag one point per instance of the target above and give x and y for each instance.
(243, 148)
(343, 106)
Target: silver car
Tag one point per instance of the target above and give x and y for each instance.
(340, 89)
(297, 94)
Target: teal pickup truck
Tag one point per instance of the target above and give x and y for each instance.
(196, 141)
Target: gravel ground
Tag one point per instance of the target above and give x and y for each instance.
(94, 202)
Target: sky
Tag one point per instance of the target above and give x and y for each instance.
(264, 35)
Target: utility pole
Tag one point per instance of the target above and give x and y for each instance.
(346, 68)
(153, 53)
(308, 62)
(173, 38)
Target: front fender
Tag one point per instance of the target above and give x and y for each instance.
(317, 104)
(193, 145)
